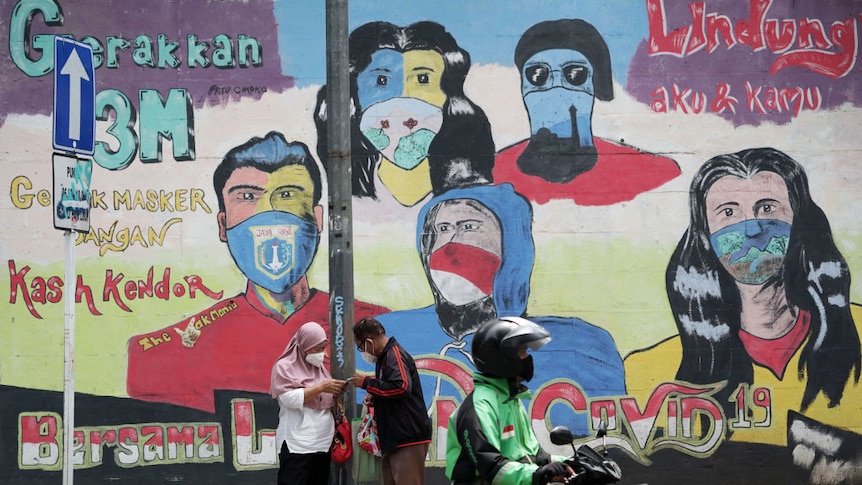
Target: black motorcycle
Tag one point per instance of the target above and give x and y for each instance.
(589, 466)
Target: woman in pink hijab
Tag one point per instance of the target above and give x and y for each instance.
(305, 392)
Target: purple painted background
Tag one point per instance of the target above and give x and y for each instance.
(176, 20)
(702, 71)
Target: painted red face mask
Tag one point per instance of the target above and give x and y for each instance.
(463, 273)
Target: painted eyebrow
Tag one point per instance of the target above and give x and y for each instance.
(423, 68)
(765, 201)
(380, 69)
(244, 186)
(291, 187)
(722, 206)
(460, 221)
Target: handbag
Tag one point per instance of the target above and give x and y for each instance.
(367, 433)
(342, 444)
(366, 466)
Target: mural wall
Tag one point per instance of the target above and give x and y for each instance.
(669, 187)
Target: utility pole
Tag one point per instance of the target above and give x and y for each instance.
(341, 356)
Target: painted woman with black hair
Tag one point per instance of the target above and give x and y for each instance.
(413, 130)
(760, 295)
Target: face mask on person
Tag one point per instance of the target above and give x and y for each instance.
(527, 368)
(753, 250)
(274, 249)
(463, 273)
(402, 129)
(367, 356)
(557, 89)
(315, 359)
(561, 146)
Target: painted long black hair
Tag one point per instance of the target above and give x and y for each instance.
(462, 152)
(706, 303)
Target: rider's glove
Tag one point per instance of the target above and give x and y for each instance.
(542, 458)
(547, 473)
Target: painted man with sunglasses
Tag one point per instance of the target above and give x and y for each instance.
(565, 66)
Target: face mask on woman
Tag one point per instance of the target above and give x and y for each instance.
(315, 359)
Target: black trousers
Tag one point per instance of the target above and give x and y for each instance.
(303, 468)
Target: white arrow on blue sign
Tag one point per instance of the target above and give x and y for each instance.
(74, 96)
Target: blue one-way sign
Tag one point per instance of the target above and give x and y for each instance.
(74, 96)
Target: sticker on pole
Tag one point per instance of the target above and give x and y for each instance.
(74, 96)
(72, 192)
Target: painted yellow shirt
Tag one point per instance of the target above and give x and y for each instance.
(650, 367)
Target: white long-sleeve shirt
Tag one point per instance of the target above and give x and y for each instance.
(305, 430)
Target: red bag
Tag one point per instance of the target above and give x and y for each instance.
(342, 444)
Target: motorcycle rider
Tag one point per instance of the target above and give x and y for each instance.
(490, 439)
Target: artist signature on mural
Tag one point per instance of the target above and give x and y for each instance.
(255, 91)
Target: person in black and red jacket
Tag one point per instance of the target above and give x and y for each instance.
(395, 392)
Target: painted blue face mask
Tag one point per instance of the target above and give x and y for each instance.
(273, 249)
(753, 250)
(557, 89)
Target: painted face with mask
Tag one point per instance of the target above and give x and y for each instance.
(467, 251)
(557, 89)
(401, 100)
(273, 249)
(271, 225)
(750, 222)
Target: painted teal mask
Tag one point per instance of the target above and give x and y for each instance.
(402, 129)
(753, 250)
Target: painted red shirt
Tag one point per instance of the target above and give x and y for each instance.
(620, 174)
(240, 338)
(774, 354)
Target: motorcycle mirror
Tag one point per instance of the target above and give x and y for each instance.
(602, 430)
(561, 435)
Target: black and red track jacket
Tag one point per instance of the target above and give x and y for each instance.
(399, 406)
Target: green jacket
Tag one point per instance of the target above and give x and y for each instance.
(490, 439)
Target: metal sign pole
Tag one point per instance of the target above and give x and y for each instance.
(342, 361)
(73, 132)
(69, 360)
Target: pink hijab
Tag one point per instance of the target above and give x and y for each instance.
(292, 371)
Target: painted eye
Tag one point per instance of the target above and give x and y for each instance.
(382, 80)
(537, 75)
(444, 227)
(575, 75)
(285, 194)
(247, 196)
(728, 212)
(767, 208)
(422, 78)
